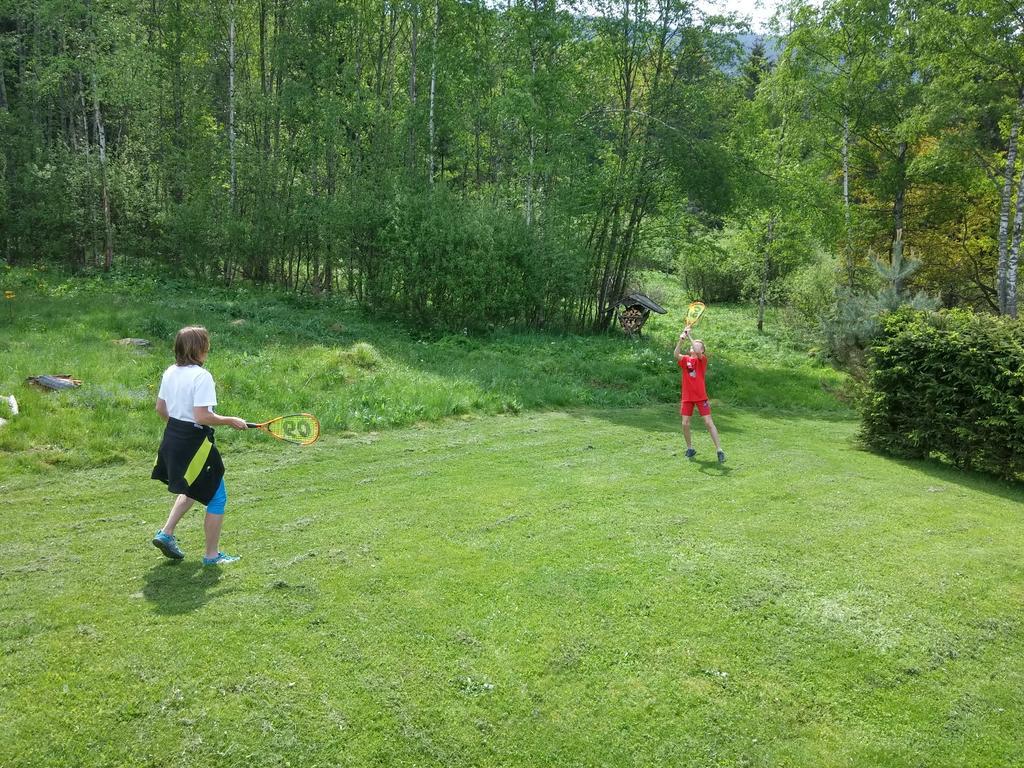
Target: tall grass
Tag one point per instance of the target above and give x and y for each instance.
(277, 353)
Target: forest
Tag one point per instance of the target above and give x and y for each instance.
(470, 165)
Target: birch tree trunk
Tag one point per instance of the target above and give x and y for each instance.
(412, 85)
(901, 191)
(4, 239)
(230, 260)
(389, 70)
(84, 118)
(1006, 199)
(1013, 258)
(83, 114)
(529, 179)
(233, 190)
(264, 83)
(278, 67)
(850, 270)
(101, 141)
(175, 182)
(532, 137)
(769, 239)
(433, 85)
(766, 270)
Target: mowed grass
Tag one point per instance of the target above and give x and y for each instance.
(276, 353)
(557, 589)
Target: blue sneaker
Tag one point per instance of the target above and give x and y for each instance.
(690, 453)
(721, 457)
(221, 559)
(168, 545)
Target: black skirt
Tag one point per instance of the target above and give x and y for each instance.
(188, 461)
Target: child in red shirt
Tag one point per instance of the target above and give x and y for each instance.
(693, 366)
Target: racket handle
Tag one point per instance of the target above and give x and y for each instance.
(250, 425)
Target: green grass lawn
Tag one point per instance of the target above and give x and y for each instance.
(552, 589)
(497, 555)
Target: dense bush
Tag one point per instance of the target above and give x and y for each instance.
(709, 271)
(952, 384)
(466, 264)
(722, 265)
(811, 290)
(729, 265)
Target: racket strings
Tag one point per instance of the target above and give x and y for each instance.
(300, 428)
(693, 314)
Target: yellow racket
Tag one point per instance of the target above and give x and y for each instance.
(296, 428)
(694, 313)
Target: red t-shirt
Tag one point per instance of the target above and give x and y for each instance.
(693, 378)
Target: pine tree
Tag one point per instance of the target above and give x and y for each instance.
(755, 68)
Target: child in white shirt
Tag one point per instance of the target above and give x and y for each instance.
(188, 461)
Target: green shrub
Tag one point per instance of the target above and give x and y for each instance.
(469, 265)
(811, 290)
(710, 271)
(951, 384)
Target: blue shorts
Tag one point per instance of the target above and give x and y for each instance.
(219, 500)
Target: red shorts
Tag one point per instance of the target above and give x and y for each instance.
(703, 407)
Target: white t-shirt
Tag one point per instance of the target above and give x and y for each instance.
(185, 387)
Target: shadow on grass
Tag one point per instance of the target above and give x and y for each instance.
(974, 481)
(175, 588)
(712, 468)
(657, 417)
(664, 418)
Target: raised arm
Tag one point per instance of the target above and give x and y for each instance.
(678, 353)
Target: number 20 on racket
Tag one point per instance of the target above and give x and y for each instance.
(295, 428)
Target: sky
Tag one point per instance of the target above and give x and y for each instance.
(758, 11)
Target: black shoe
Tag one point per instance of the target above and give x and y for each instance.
(721, 457)
(690, 453)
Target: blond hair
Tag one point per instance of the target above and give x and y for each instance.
(191, 345)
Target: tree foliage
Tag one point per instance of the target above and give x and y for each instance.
(470, 164)
(459, 163)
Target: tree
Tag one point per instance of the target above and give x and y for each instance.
(975, 54)
(660, 124)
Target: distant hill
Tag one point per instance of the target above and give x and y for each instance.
(772, 45)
